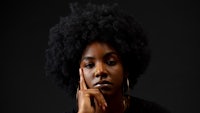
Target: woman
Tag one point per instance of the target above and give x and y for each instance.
(97, 53)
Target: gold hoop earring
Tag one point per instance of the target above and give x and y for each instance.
(126, 98)
(128, 87)
(127, 81)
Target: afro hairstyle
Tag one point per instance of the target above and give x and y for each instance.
(89, 23)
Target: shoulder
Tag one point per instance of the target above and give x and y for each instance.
(138, 105)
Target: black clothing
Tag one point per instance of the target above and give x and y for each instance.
(142, 106)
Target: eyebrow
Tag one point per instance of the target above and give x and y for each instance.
(87, 58)
(106, 55)
(111, 53)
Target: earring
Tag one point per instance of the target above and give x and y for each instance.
(128, 88)
(126, 98)
(127, 81)
(125, 88)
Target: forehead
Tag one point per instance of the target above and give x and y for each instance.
(97, 49)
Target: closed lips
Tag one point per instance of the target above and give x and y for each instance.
(103, 82)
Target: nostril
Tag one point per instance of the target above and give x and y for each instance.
(100, 70)
(104, 75)
(101, 74)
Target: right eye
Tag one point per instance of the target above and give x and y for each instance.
(89, 65)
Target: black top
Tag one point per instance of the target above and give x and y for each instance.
(141, 106)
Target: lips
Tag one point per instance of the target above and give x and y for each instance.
(101, 84)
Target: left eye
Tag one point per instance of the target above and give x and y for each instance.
(111, 63)
(89, 65)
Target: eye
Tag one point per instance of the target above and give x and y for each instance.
(111, 62)
(89, 65)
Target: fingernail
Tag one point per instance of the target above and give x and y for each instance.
(105, 104)
(103, 107)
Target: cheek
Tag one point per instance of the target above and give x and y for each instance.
(118, 74)
(88, 77)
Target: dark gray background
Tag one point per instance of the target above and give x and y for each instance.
(171, 80)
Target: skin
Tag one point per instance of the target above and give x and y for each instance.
(100, 63)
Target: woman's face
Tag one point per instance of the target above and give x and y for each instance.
(102, 68)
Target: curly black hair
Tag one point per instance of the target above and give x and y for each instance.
(84, 25)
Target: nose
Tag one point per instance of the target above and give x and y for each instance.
(100, 71)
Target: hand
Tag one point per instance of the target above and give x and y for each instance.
(89, 100)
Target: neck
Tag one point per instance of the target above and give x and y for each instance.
(115, 103)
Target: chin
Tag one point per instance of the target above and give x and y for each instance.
(107, 92)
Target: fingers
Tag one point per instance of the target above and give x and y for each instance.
(85, 95)
(82, 80)
(99, 99)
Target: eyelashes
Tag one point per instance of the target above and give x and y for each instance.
(108, 63)
(111, 62)
(89, 65)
